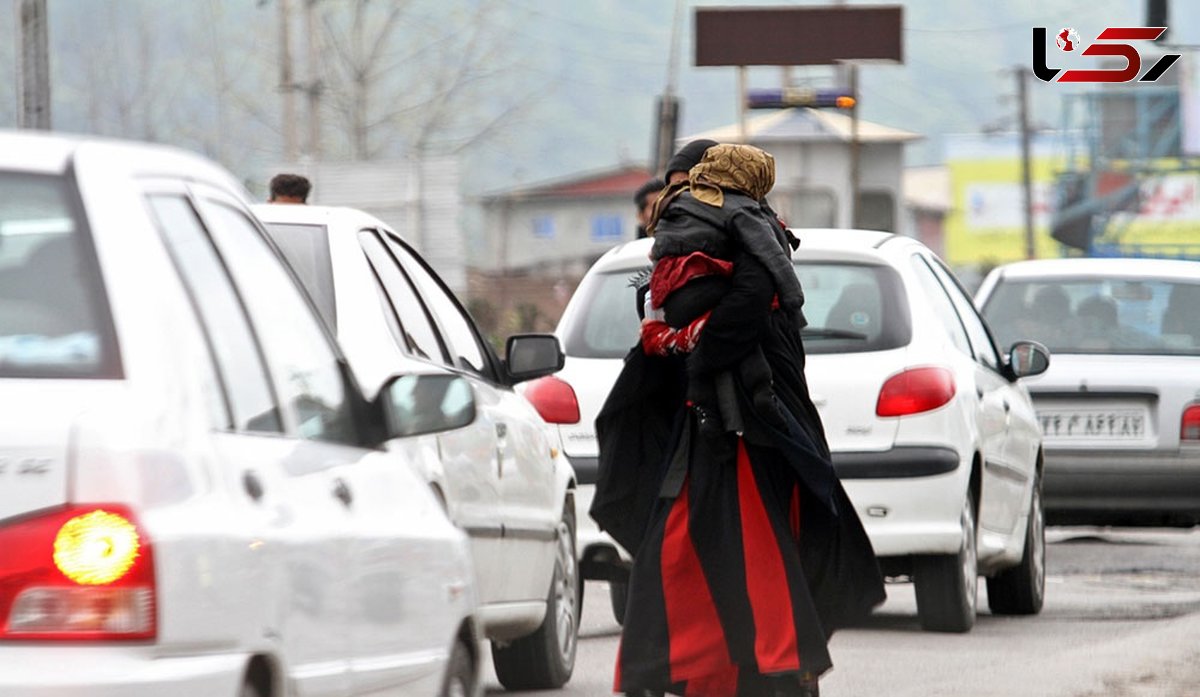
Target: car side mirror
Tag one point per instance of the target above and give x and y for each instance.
(1027, 358)
(529, 356)
(415, 405)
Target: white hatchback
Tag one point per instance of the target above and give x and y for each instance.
(500, 479)
(932, 433)
(195, 497)
(1120, 407)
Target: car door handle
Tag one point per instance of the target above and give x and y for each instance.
(253, 485)
(1007, 406)
(501, 430)
(342, 492)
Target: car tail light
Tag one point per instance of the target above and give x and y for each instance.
(77, 573)
(914, 391)
(1189, 426)
(554, 399)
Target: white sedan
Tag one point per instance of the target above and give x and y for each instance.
(195, 497)
(1120, 407)
(932, 432)
(500, 479)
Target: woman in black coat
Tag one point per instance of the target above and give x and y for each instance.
(748, 553)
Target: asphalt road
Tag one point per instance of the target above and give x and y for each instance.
(1122, 619)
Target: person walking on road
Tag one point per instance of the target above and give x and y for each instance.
(748, 553)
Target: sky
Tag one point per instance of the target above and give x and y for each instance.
(548, 89)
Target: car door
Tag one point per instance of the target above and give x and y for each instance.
(976, 389)
(301, 528)
(388, 640)
(471, 456)
(528, 491)
(1010, 464)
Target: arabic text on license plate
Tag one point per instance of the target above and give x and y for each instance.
(1103, 425)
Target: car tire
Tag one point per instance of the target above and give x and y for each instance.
(618, 594)
(946, 584)
(545, 659)
(251, 689)
(460, 673)
(1021, 590)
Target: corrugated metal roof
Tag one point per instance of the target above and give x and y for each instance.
(619, 181)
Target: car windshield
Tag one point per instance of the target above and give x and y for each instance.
(306, 249)
(849, 307)
(1098, 315)
(53, 319)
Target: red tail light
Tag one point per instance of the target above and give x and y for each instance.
(914, 391)
(1189, 426)
(554, 399)
(77, 573)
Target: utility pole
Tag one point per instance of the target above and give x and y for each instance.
(315, 85)
(668, 104)
(33, 54)
(855, 150)
(287, 83)
(1026, 176)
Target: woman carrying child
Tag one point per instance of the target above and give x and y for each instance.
(714, 465)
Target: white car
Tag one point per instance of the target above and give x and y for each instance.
(195, 497)
(500, 479)
(1120, 407)
(932, 433)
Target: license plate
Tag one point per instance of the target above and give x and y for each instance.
(1087, 424)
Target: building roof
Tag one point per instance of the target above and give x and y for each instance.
(620, 181)
(801, 124)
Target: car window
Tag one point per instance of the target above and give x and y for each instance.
(231, 340)
(459, 328)
(977, 333)
(54, 320)
(606, 324)
(311, 383)
(943, 308)
(853, 308)
(1142, 316)
(306, 248)
(420, 338)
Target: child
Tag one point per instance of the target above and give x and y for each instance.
(698, 230)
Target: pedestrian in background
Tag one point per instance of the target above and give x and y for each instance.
(644, 198)
(289, 188)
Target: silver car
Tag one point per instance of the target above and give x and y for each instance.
(1120, 404)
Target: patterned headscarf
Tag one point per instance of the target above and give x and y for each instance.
(743, 168)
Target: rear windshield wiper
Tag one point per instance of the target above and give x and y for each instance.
(821, 333)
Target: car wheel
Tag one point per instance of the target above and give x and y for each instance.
(545, 659)
(618, 593)
(460, 673)
(946, 584)
(1021, 590)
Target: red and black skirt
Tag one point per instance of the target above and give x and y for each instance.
(719, 603)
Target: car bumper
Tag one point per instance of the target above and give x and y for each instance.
(909, 498)
(47, 670)
(1121, 487)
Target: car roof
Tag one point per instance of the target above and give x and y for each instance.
(337, 217)
(865, 244)
(52, 153)
(1119, 267)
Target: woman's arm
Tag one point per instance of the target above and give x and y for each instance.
(738, 322)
